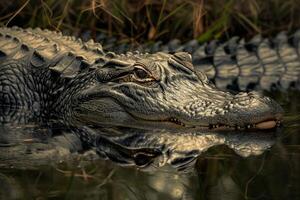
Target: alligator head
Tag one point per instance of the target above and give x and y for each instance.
(163, 91)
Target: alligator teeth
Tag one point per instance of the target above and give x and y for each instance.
(176, 121)
(214, 126)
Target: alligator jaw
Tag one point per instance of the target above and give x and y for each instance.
(262, 121)
(261, 125)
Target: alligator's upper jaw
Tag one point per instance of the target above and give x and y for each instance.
(265, 115)
(252, 112)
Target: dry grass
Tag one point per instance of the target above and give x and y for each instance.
(156, 19)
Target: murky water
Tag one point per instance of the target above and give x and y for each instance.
(193, 166)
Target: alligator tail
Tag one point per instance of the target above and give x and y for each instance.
(258, 64)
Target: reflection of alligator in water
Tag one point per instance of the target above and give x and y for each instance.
(70, 86)
(130, 147)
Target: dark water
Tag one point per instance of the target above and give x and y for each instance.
(237, 166)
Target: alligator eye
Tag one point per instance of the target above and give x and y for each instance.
(141, 74)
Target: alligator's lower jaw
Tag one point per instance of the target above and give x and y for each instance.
(263, 125)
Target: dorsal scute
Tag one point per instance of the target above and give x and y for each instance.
(65, 55)
(69, 65)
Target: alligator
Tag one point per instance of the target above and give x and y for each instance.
(115, 102)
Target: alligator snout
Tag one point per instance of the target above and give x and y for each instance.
(251, 110)
(271, 116)
(233, 112)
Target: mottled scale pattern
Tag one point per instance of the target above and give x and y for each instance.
(258, 63)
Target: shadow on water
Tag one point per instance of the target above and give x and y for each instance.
(37, 163)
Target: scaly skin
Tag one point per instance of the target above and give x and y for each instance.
(59, 78)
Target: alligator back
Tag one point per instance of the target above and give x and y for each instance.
(257, 64)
